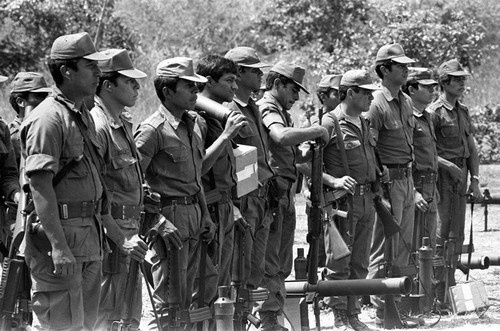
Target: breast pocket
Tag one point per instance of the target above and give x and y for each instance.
(392, 124)
(246, 132)
(449, 130)
(122, 173)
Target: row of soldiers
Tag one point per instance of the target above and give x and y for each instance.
(86, 170)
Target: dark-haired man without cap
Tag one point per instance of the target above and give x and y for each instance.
(58, 139)
(283, 84)
(254, 206)
(355, 93)
(118, 88)
(392, 122)
(421, 88)
(219, 172)
(171, 146)
(27, 90)
(458, 158)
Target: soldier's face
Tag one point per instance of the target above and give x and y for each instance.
(456, 86)
(223, 90)
(363, 99)
(86, 78)
(250, 78)
(185, 95)
(424, 94)
(125, 91)
(287, 94)
(398, 74)
(331, 100)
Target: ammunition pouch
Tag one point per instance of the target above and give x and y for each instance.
(111, 263)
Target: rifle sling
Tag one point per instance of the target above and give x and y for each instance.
(340, 143)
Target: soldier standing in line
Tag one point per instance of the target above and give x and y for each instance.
(355, 93)
(219, 175)
(392, 123)
(421, 88)
(28, 89)
(458, 158)
(117, 89)
(283, 84)
(171, 146)
(254, 206)
(59, 144)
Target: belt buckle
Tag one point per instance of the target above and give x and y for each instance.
(64, 211)
(185, 200)
(362, 189)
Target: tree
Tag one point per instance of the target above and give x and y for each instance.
(30, 26)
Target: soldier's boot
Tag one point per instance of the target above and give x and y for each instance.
(269, 321)
(356, 324)
(341, 322)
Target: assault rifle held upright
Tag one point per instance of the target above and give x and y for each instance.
(15, 282)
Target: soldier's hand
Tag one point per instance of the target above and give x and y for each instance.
(384, 176)
(345, 183)
(420, 202)
(135, 247)
(324, 135)
(170, 234)
(209, 228)
(474, 191)
(234, 123)
(64, 262)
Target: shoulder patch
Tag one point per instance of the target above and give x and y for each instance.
(155, 120)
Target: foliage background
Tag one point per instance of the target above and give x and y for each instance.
(325, 36)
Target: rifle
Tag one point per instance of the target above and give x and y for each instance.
(392, 320)
(243, 297)
(15, 283)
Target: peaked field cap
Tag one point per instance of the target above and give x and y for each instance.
(73, 46)
(393, 52)
(359, 78)
(179, 67)
(292, 71)
(119, 61)
(452, 68)
(3, 78)
(331, 81)
(29, 82)
(420, 75)
(245, 57)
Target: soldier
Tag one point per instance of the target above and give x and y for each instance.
(219, 175)
(28, 89)
(328, 92)
(283, 84)
(59, 143)
(355, 94)
(458, 157)
(117, 89)
(392, 122)
(253, 206)
(9, 178)
(421, 88)
(171, 146)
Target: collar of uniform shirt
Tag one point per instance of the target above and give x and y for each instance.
(115, 124)
(446, 104)
(240, 102)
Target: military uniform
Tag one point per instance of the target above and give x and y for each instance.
(452, 125)
(279, 253)
(392, 122)
(357, 229)
(9, 177)
(50, 140)
(14, 128)
(172, 151)
(425, 171)
(254, 206)
(123, 179)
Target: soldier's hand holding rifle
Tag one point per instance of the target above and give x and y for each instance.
(135, 247)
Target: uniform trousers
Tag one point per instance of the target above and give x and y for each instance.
(358, 235)
(403, 207)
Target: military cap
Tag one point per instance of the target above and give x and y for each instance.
(291, 70)
(359, 78)
(3, 78)
(330, 81)
(452, 68)
(245, 57)
(120, 62)
(393, 52)
(420, 75)
(29, 82)
(179, 67)
(73, 46)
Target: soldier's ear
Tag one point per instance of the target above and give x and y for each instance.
(21, 102)
(65, 71)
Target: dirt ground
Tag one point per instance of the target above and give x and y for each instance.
(486, 243)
